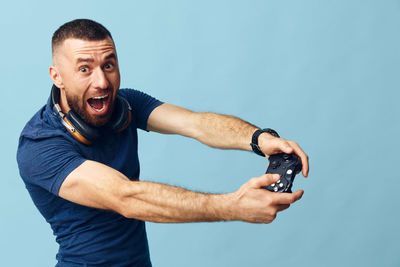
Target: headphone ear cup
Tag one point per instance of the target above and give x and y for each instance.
(88, 132)
(121, 117)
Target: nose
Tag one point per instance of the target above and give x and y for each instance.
(100, 80)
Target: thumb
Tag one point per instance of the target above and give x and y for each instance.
(266, 180)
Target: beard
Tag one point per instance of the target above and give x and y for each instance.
(75, 103)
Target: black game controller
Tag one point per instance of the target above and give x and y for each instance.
(287, 166)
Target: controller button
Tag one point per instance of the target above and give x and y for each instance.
(289, 171)
(272, 185)
(278, 182)
(275, 189)
(281, 185)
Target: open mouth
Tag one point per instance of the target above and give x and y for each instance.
(99, 103)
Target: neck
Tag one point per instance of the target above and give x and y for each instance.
(63, 102)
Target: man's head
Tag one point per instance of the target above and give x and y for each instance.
(85, 68)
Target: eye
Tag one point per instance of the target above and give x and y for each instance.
(108, 66)
(84, 69)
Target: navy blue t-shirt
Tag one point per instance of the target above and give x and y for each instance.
(47, 153)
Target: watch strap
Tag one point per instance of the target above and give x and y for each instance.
(254, 139)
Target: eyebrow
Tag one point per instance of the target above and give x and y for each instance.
(112, 55)
(81, 59)
(91, 60)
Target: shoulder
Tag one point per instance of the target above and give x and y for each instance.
(43, 124)
(142, 105)
(45, 159)
(37, 146)
(136, 97)
(42, 137)
(128, 92)
(39, 131)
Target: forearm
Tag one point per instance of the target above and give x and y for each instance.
(169, 204)
(96, 185)
(223, 131)
(215, 130)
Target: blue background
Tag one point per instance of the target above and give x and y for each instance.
(323, 73)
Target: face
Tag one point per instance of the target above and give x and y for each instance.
(88, 76)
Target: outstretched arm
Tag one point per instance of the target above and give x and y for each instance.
(215, 130)
(219, 131)
(99, 186)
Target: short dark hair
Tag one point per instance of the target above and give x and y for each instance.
(84, 29)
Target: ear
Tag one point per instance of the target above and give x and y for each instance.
(56, 77)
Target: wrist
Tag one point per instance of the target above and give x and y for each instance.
(223, 206)
(257, 144)
(264, 139)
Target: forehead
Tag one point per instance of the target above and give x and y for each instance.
(74, 49)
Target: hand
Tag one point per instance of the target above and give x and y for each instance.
(255, 204)
(270, 144)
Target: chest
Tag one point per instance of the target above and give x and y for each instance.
(116, 150)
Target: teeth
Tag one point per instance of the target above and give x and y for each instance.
(100, 97)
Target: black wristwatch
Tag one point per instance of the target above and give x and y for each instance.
(254, 139)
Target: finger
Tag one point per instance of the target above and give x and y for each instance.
(265, 180)
(303, 157)
(282, 207)
(288, 198)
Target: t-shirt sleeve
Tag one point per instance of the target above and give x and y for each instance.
(142, 105)
(47, 162)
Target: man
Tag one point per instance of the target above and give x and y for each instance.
(78, 158)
